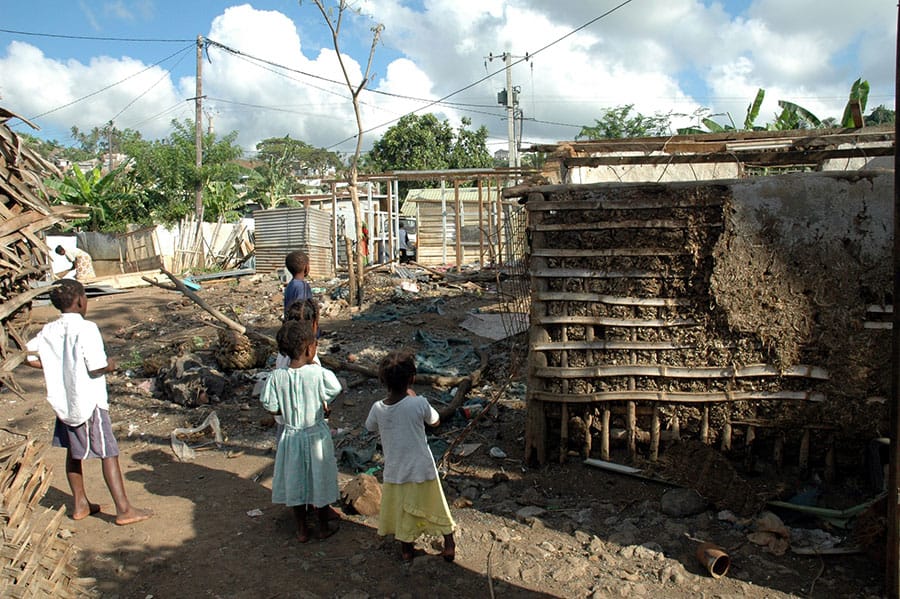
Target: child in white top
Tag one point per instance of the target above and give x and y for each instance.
(412, 500)
(70, 352)
(305, 467)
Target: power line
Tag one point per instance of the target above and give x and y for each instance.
(110, 86)
(91, 38)
(489, 75)
(146, 91)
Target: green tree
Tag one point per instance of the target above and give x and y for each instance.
(620, 122)
(112, 202)
(166, 172)
(422, 142)
(283, 163)
(880, 116)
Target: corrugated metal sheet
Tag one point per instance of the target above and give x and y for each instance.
(280, 231)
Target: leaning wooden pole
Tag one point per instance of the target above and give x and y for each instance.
(892, 550)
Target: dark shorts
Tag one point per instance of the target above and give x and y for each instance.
(92, 439)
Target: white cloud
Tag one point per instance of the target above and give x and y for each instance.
(661, 56)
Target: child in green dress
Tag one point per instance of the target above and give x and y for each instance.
(412, 500)
(305, 467)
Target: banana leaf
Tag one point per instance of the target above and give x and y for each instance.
(753, 110)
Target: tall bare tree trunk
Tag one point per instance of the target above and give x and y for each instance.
(334, 24)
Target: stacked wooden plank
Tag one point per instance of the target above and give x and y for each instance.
(25, 212)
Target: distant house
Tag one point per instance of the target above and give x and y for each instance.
(460, 229)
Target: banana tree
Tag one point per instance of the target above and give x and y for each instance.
(859, 94)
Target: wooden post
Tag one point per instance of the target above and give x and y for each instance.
(458, 225)
(588, 421)
(704, 425)
(499, 225)
(803, 461)
(829, 459)
(748, 446)
(480, 223)
(535, 418)
(604, 437)
(351, 272)
(654, 435)
(563, 432)
(631, 428)
(726, 436)
(778, 451)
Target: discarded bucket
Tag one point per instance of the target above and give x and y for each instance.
(714, 559)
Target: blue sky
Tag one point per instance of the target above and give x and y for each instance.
(662, 56)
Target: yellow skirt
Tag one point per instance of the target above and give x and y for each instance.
(412, 509)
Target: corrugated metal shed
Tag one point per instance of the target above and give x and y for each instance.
(280, 231)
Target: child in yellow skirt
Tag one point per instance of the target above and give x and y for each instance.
(412, 500)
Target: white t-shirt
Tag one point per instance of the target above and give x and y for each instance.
(72, 346)
(407, 458)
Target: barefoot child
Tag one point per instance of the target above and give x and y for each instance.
(305, 467)
(70, 352)
(412, 500)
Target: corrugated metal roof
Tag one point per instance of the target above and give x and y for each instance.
(466, 194)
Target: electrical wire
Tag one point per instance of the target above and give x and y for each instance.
(110, 86)
(489, 75)
(98, 39)
(146, 91)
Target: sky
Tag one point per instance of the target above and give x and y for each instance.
(85, 63)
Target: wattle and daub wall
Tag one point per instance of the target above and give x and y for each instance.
(704, 309)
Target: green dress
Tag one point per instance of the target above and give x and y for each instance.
(305, 466)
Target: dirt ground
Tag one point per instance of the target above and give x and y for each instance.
(561, 530)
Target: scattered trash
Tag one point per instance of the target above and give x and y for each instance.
(771, 534)
(255, 513)
(498, 453)
(132, 428)
(409, 286)
(466, 449)
(186, 453)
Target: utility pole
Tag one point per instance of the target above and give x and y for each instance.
(511, 112)
(109, 128)
(198, 132)
(509, 97)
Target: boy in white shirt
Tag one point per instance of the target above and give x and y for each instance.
(70, 352)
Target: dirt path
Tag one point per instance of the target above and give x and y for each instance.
(559, 531)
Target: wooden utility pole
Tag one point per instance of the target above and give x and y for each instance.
(198, 133)
(892, 541)
(511, 112)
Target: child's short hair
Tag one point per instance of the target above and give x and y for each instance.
(297, 262)
(65, 292)
(307, 309)
(397, 370)
(294, 337)
(60, 250)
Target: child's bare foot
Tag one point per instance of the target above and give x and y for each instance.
(303, 536)
(449, 552)
(331, 513)
(80, 513)
(326, 531)
(132, 516)
(407, 552)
